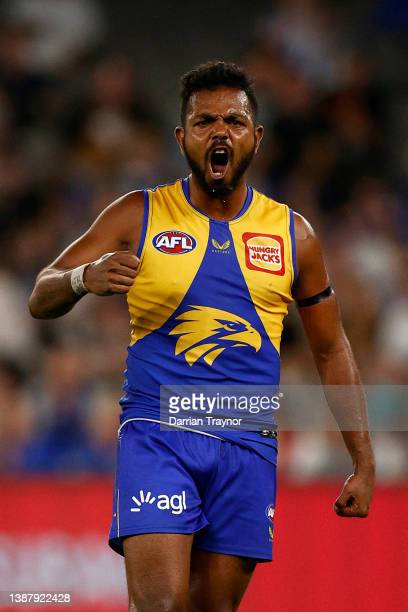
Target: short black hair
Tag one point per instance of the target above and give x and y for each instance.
(212, 75)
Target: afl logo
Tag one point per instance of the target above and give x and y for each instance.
(174, 242)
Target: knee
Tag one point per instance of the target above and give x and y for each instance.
(158, 602)
(205, 604)
(226, 606)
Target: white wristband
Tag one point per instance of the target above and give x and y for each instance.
(77, 280)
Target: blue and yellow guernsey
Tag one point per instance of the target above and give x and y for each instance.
(208, 303)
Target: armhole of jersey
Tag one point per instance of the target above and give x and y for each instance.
(293, 241)
(143, 233)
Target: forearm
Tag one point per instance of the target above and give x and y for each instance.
(345, 395)
(321, 319)
(52, 295)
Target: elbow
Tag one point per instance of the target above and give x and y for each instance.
(324, 353)
(35, 314)
(331, 348)
(34, 309)
(336, 353)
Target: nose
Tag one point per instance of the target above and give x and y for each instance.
(220, 129)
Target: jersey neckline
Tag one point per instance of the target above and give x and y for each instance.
(185, 187)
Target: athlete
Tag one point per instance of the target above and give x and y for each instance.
(209, 266)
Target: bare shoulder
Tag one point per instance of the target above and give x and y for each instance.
(117, 228)
(123, 219)
(313, 276)
(307, 243)
(303, 229)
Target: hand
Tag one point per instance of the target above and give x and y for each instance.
(355, 497)
(112, 273)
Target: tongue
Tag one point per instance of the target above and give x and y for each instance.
(218, 168)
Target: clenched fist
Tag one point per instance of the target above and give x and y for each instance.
(112, 273)
(355, 498)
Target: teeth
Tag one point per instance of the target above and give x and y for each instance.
(223, 155)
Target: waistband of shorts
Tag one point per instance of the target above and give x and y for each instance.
(180, 427)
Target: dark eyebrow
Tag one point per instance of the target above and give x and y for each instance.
(236, 115)
(233, 115)
(204, 116)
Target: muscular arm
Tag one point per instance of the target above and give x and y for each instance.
(335, 363)
(108, 247)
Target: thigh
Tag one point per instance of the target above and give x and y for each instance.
(218, 582)
(239, 504)
(157, 571)
(155, 491)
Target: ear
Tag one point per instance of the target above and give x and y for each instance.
(179, 135)
(259, 132)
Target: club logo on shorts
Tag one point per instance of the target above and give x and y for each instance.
(270, 513)
(264, 252)
(176, 503)
(174, 242)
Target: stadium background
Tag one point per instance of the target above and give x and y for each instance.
(88, 101)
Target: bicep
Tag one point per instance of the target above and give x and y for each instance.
(321, 320)
(322, 324)
(312, 277)
(117, 228)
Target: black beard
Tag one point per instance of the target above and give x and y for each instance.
(219, 189)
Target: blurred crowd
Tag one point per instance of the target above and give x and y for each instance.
(78, 129)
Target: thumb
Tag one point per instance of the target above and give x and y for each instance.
(344, 500)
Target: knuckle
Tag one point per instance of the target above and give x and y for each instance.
(132, 258)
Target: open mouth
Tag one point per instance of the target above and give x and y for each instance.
(219, 160)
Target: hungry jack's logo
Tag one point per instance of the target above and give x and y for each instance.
(264, 252)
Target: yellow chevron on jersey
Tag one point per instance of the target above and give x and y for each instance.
(265, 257)
(163, 279)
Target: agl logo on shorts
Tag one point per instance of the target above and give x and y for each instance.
(173, 242)
(175, 503)
(264, 252)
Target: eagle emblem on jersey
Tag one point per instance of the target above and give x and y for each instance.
(206, 332)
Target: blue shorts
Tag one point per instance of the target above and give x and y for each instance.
(185, 482)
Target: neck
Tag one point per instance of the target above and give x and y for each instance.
(223, 208)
